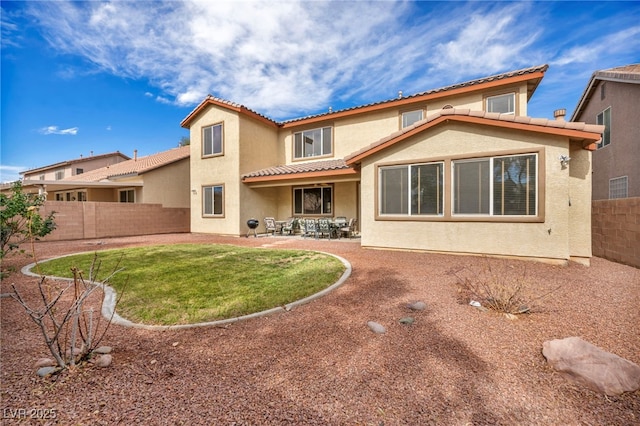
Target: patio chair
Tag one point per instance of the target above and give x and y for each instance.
(350, 229)
(324, 227)
(340, 222)
(270, 225)
(290, 226)
(310, 228)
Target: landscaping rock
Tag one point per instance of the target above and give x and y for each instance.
(103, 350)
(407, 320)
(104, 360)
(45, 371)
(590, 366)
(45, 362)
(376, 328)
(417, 306)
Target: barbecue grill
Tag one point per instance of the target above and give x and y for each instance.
(253, 225)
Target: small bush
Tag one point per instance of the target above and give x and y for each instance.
(501, 287)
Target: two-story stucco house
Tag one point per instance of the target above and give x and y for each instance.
(459, 169)
(77, 166)
(612, 99)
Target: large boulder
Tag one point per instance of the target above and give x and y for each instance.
(590, 366)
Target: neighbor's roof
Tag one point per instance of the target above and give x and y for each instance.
(532, 75)
(624, 74)
(75, 161)
(590, 133)
(132, 167)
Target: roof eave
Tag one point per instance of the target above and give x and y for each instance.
(304, 175)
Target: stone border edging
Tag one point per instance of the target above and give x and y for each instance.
(109, 301)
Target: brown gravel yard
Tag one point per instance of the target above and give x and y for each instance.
(320, 364)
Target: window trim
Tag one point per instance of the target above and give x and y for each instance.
(408, 111)
(303, 187)
(313, 157)
(516, 106)
(447, 215)
(602, 143)
(202, 205)
(127, 190)
(624, 178)
(202, 141)
(408, 166)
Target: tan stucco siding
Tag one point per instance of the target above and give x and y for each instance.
(168, 185)
(217, 170)
(580, 197)
(547, 239)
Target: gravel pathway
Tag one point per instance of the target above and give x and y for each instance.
(321, 364)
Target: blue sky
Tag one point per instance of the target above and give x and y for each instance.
(82, 77)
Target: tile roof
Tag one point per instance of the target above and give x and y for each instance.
(74, 161)
(470, 83)
(624, 74)
(479, 117)
(389, 102)
(298, 168)
(133, 167)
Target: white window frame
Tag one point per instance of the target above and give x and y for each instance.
(324, 148)
(490, 102)
(209, 208)
(491, 186)
(619, 187)
(604, 119)
(407, 198)
(411, 117)
(209, 146)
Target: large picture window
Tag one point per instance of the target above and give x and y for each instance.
(496, 186)
(313, 143)
(213, 200)
(313, 200)
(414, 189)
(504, 104)
(604, 119)
(212, 140)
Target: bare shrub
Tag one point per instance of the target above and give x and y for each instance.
(500, 286)
(70, 331)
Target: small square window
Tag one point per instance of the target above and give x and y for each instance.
(619, 187)
(409, 118)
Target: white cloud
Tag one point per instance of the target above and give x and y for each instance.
(54, 130)
(626, 40)
(10, 173)
(296, 57)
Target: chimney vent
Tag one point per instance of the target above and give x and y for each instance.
(559, 114)
(399, 94)
(135, 155)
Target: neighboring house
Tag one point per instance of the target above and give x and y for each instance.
(74, 167)
(612, 98)
(457, 169)
(161, 178)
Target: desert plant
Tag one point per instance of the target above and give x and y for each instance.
(501, 287)
(70, 331)
(20, 219)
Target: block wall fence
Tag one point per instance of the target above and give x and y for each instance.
(615, 230)
(86, 220)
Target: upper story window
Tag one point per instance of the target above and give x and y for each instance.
(496, 186)
(60, 174)
(410, 117)
(41, 177)
(212, 140)
(604, 119)
(313, 143)
(79, 171)
(504, 104)
(414, 189)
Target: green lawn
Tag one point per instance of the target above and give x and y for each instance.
(183, 284)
